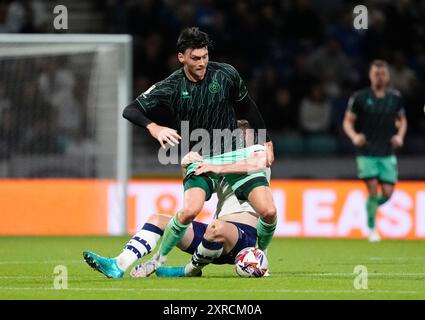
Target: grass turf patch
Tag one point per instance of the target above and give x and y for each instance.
(300, 269)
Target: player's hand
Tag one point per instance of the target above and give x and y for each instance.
(397, 141)
(359, 140)
(269, 153)
(190, 158)
(204, 168)
(164, 135)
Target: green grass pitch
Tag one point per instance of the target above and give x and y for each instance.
(300, 268)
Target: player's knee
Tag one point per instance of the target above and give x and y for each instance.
(214, 231)
(372, 187)
(373, 193)
(387, 194)
(159, 220)
(188, 214)
(269, 214)
(154, 219)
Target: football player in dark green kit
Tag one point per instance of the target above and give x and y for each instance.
(210, 96)
(376, 124)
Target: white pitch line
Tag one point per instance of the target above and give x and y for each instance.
(396, 258)
(212, 290)
(289, 274)
(417, 274)
(26, 277)
(42, 262)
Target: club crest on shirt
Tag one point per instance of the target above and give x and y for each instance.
(214, 87)
(369, 102)
(184, 94)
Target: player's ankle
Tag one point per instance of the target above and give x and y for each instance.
(190, 270)
(161, 259)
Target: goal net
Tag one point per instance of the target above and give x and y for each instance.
(61, 100)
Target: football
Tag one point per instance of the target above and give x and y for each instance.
(251, 263)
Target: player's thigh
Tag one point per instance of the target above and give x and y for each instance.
(201, 182)
(388, 173)
(261, 199)
(243, 184)
(367, 167)
(159, 220)
(193, 237)
(223, 232)
(194, 199)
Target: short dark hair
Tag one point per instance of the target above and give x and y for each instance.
(378, 63)
(193, 38)
(243, 124)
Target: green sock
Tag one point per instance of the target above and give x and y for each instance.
(265, 233)
(173, 234)
(372, 205)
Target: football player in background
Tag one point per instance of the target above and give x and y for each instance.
(376, 124)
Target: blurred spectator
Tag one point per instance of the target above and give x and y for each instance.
(5, 102)
(40, 16)
(315, 112)
(56, 84)
(81, 146)
(301, 80)
(280, 48)
(303, 23)
(41, 137)
(329, 62)
(402, 77)
(378, 36)
(13, 16)
(152, 61)
(37, 126)
(285, 111)
(7, 133)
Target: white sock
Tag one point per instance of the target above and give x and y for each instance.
(205, 253)
(142, 243)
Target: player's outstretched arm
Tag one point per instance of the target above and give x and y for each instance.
(256, 162)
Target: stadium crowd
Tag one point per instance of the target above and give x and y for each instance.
(301, 59)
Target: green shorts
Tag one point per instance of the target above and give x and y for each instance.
(242, 184)
(382, 168)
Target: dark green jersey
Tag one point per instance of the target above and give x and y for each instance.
(376, 119)
(206, 104)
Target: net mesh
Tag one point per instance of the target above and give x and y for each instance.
(58, 110)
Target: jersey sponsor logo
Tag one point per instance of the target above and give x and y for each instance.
(144, 94)
(214, 87)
